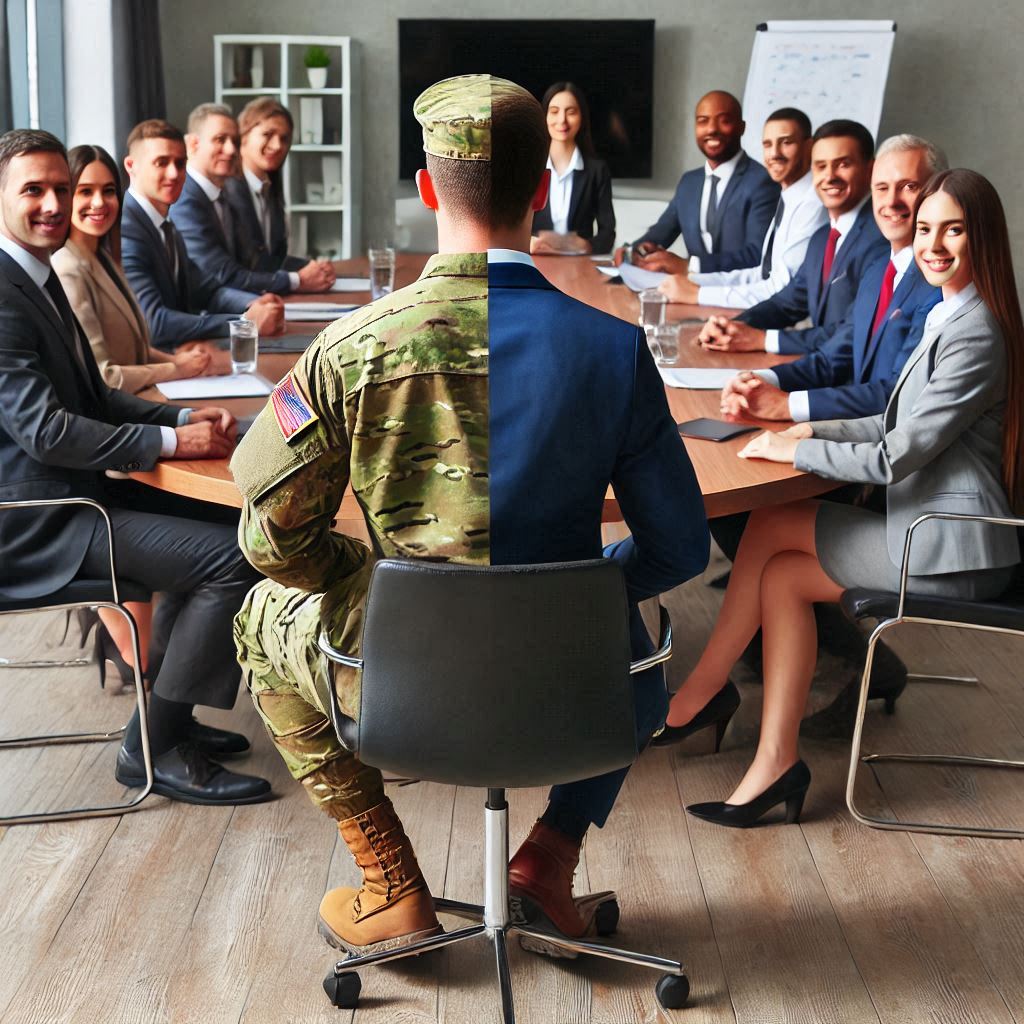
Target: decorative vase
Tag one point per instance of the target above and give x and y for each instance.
(317, 77)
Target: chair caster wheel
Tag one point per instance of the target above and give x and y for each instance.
(343, 990)
(672, 991)
(606, 919)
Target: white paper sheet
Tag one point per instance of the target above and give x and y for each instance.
(351, 284)
(635, 278)
(231, 385)
(315, 312)
(697, 378)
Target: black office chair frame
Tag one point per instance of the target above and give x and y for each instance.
(98, 599)
(494, 920)
(860, 604)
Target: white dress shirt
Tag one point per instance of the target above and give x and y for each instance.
(723, 172)
(560, 192)
(510, 256)
(262, 207)
(39, 273)
(942, 311)
(802, 215)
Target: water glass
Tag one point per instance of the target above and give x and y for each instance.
(245, 337)
(664, 344)
(382, 270)
(652, 309)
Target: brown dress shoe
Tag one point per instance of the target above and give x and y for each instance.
(541, 871)
(392, 908)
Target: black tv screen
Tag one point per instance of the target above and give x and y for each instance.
(611, 60)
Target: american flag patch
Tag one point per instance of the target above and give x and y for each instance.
(291, 409)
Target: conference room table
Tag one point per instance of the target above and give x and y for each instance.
(729, 484)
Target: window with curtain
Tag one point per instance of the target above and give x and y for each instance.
(32, 52)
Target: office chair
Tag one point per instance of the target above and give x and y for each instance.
(496, 677)
(79, 593)
(1006, 615)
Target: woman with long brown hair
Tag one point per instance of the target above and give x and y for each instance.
(948, 441)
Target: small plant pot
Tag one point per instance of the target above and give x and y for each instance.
(317, 77)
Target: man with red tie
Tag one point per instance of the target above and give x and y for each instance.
(838, 255)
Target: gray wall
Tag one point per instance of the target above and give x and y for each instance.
(956, 75)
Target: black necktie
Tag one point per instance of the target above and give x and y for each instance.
(224, 216)
(711, 218)
(60, 300)
(171, 247)
(766, 263)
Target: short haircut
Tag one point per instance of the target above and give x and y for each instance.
(153, 129)
(728, 95)
(261, 109)
(934, 157)
(803, 122)
(844, 129)
(497, 192)
(21, 141)
(206, 110)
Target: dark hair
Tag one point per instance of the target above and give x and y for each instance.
(254, 113)
(803, 122)
(78, 159)
(841, 128)
(584, 138)
(497, 192)
(21, 141)
(988, 244)
(154, 128)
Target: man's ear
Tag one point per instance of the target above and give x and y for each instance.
(540, 197)
(425, 187)
(129, 163)
(191, 143)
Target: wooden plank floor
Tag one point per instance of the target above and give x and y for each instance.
(197, 915)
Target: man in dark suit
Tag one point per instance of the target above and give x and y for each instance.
(61, 427)
(722, 209)
(838, 254)
(181, 303)
(215, 236)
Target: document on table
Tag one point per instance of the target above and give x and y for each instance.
(697, 378)
(635, 278)
(231, 385)
(316, 311)
(351, 284)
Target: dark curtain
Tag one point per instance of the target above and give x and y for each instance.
(144, 89)
(6, 115)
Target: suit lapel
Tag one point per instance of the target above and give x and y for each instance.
(99, 273)
(726, 197)
(899, 297)
(578, 186)
(133, 209)
(815, 258)
(843, 258)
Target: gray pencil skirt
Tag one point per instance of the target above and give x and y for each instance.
(852, 549)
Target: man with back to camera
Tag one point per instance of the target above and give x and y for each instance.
(180, 303)
(786, 141)
(722, 209)
(837, 256)
(205, 216)
(61, 428)
(444, 385)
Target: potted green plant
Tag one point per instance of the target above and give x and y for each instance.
(317, 62)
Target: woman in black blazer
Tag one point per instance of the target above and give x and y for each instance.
(581, 186)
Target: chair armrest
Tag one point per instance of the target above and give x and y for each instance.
(333, 654)
(345, 727)
(954, 517)
(664, 651)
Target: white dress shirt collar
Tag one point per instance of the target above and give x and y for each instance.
(723, 172)
(901, 261)
(845, 221)
(254, 181)
(211, 191)
(147, 208)
(575, 164)
(510, 256)
(560, 192)
(942, 311)
(36, 269)
(798, 189)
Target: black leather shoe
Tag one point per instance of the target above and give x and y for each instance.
(790, 787)
(216, 742)
(185, 773)
(717, 712)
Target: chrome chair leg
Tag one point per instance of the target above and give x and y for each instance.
(357, 961)
(928, 677)
(472, 911)
(571, 945)
(508, 1010)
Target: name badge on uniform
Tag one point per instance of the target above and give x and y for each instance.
(291, 410)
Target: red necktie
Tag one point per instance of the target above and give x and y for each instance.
(830, 255)
(884, 297)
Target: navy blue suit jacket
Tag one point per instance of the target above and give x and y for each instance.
(611, 424)
(804, 296)
(745, 210)
(201, 309)
(853, 373)
(266, 255)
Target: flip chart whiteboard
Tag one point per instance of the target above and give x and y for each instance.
(827, 69)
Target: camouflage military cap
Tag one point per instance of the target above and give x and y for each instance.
(456, 115)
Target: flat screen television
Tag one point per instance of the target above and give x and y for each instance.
(611, 60)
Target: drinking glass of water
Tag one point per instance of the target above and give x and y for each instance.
(382, 270)
(652, 309)
(664, 344)
(245, 338)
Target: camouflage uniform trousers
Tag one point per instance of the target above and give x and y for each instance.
(291, 684)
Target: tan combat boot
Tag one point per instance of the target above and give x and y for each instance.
(392, 907)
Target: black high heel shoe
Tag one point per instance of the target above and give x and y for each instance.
(717, 712)
(106, 650)
(789, 788)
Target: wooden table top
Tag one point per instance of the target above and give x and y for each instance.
(729, 484)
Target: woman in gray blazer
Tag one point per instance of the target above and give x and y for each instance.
(948, 441)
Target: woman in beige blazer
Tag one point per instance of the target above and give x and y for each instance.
(89, 269)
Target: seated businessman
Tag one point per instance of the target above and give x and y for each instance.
(838, 254)
(722, 209)
(523, 481)
(854, 372)
(180, 302)
(216, 236)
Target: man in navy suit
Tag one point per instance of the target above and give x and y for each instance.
(722, 209)
(853, 373)
(837, 256)
(181, 304)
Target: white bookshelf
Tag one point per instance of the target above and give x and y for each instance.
(321, 175)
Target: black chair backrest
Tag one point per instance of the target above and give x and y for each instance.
(499, 676)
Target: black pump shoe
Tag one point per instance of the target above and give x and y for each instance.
(106, 650)
(790, 787)
(717, 712)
